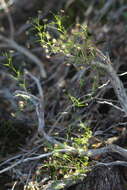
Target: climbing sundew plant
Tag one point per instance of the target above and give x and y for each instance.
(82, 140)
(14, 72)
(77, 102)
(76, 42)
(64, 165)
(51, 35)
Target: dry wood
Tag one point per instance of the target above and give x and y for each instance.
(117, 85)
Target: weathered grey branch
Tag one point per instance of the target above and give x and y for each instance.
(66, 182)
(104, 10)
(117, 85)
(76, 179)
(71, 150)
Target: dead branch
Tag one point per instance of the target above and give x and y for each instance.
(71, 150)
(66, 182)
(104, 10)
(117, 85)
(79, 178)
(39, 106)
(115, 163)
(16, 163)
(118, 13)
(110, 104)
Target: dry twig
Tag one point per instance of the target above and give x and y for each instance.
(117, 85)
(80, 152)
(104, 10)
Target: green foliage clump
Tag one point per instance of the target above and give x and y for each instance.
(55, 39)
(15, 73)
(82, 141)
(77, 45)
(77, 102)
(63, 165)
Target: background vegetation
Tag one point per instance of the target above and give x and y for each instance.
(63, 101)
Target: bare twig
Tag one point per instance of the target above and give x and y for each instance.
(15, 183)
(25, 160)
(110, 104)
(115, 81)
(122, 74)
(104, 10)
(80, 152)
(78, 178)
(115, 163)
(39, 106)
(119, 13)
(66, 182)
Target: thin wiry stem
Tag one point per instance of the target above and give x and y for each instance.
(11, 43)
